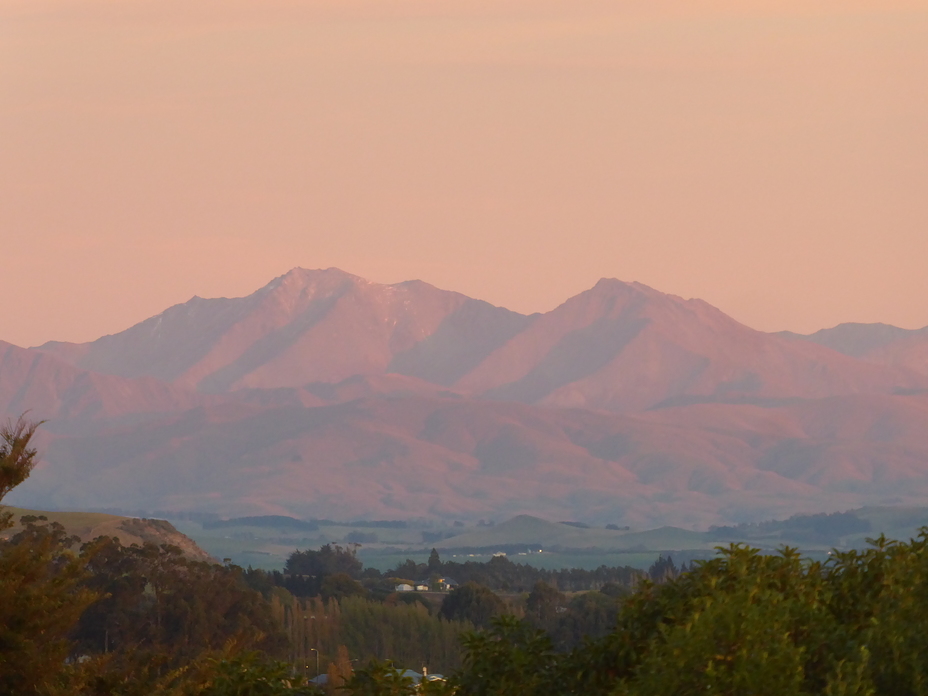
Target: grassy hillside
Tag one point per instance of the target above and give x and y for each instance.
(533, 531)
(129, 530)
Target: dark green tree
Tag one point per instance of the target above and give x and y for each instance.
(472, 602)
(308, 569)
(543, 605)
(40, 583)
(245, 674)
(341, 585)
(509, 658)
(17, 458)
(163, 607)
(379, 678)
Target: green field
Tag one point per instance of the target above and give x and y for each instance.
(565, 546)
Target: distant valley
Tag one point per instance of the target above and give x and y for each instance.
(325, 395)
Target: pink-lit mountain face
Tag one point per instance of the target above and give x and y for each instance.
(306, 326)
(323, 394)
(618, 346)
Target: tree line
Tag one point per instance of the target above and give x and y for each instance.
(306, 571)
(103, 619)
(741, 623)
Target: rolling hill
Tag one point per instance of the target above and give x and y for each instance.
(402, 457)
(49, 388)
(876, 343)
(129, 530)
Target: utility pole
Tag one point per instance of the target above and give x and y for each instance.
(305, 643)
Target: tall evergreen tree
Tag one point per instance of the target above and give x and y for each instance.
(41, 595)
(434, 563)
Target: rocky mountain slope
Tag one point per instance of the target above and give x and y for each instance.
(306, 326)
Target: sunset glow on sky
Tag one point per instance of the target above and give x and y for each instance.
(768, 157)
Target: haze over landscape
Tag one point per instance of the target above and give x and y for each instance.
(767, 158)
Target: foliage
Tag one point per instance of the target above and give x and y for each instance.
(501, 574)
(17, 459)
(543, 605)
(306, 571)
(328, 560)
(40, 583)
(379, 678)
(471, 602)
(742, 623)
(250, 675)
(341, 585)
(156, 601)
(407, 634)
(509, 658)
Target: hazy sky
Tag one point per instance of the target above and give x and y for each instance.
(769, 157)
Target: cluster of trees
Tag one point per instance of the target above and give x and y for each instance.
(742, 623)
(411, 634)
(306, 572)
(501, 574)
(107, 619)
(345, 604)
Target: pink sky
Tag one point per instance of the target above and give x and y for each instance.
(768, 157)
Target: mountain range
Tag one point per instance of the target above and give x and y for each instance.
(325, 395)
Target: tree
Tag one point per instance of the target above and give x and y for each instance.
(17, 459)
(408, 570)
(471, 602)
(341, 585)
(379, 679)
(509, 658)
(156, 602)
(434, 563)
(543, 603)
(589, 615)
(663, 569)
(308, 569)
(227, 674)
(40, 583)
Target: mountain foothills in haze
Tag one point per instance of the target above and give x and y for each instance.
(325, 395)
